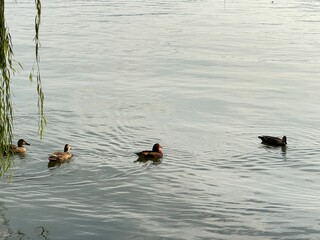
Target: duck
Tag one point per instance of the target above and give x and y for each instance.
(273, 141)
(155, 154)
(19, 148)
(61, 156)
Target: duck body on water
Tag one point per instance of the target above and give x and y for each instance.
(155, 154)
(61, 156)
(273, 141)
(19, 148)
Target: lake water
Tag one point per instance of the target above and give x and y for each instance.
(203, 78)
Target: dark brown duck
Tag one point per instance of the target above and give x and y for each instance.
(273, 141)
(155, 154)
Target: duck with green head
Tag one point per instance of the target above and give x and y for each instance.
(61, 156)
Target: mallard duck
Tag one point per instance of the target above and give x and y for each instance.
(61, 156)
(20, 149)
(273, 141)
(155, 154)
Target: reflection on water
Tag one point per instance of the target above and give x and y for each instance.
(201, 78)
(283, 148)
(42, 233)
(52, 164)
(145, 161)
(7, 233)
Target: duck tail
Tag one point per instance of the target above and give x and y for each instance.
(139, 154)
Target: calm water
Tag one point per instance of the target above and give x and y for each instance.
(201, 77)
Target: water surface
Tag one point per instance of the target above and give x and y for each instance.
(202, 78)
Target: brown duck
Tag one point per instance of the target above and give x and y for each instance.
(19, 148)
(273, 141)
(61, 156)
(155, 154)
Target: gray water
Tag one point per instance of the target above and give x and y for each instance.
(203, 78)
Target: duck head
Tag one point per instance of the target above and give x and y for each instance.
(67, 147)
(284, 139)
(157, 148)
(22, 142)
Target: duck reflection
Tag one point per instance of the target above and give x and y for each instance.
(283, 148)
(56, 164)
(145, 161)
(52, 164)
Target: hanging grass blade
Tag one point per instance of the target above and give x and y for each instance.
(7, 70)
(42, 118)
(6, 109)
